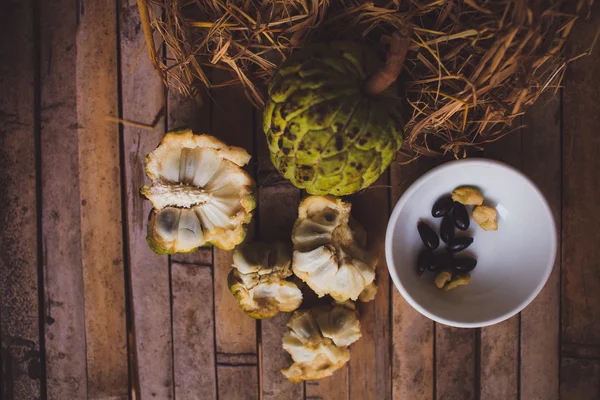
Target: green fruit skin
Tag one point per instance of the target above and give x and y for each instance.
(324, 134)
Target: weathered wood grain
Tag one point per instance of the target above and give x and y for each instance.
(332, 387)
(576, 350)
(412, 334)
(195, 114)
(238, 382)
(142, 98)
(21, 367)
(370, 373)
(455, 363)
(100, 193)
(233, 122)
(580, 379)
(580, 218)
(278, 209)
(61, 233)
(499, 344)
(540, 326)
(193, 332)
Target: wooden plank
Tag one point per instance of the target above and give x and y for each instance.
(412, 333)
(142, 98)
(233, 122)
(278, 209)
(580, 219)
(195, 114)
(540, 321)
(238, 382)
(332, 387)
(455, 363)
(100, 193)
(370, 373)
(21, 368)
(61, 233)
(193, 332)
(580, 379)
(499, 344)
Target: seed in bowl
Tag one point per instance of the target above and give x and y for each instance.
(460, 243)
(442, 206)
(461, 216)
(425, 261)
(447, 229)
(468, 196)
(464, 264)
(428, 236)
(486, 218)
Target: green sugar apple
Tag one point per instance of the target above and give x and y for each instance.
(327, 130)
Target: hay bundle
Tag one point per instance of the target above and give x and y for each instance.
(472, 68)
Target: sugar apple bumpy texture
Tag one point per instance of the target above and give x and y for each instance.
(325, 134)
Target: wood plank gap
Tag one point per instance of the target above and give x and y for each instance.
(390, 289)
(254, 168)
(477, 352)
(434, 357)
(560, 254)
(132, 366)
(170, 258)
(37, 131)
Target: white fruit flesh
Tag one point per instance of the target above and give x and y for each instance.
(318, 340)
(199, 192)
(257, 279)
(329, 252)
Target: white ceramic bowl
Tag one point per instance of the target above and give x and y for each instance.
(513, 263)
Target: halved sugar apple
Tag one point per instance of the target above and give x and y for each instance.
(318, 341)
(329, 250)
(200, 193)
(258, 279)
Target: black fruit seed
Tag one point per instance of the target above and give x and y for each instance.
(464, 264)
(461, 216)
(460, 243)
(425, 261)
(447, 229)
(442, 206)
(428, 236)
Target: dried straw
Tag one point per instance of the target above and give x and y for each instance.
(473, 66)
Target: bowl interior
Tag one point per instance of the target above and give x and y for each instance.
(513, 263)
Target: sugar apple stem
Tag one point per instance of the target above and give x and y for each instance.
(383, 78)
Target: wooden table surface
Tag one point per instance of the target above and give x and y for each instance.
(88, 311)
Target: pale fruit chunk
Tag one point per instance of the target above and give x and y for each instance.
(318, 340)
(258, 279)
(199, 192)
(468, 196)
(329, 250)
(486, 217)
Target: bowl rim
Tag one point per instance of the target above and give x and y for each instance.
(400, 205)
